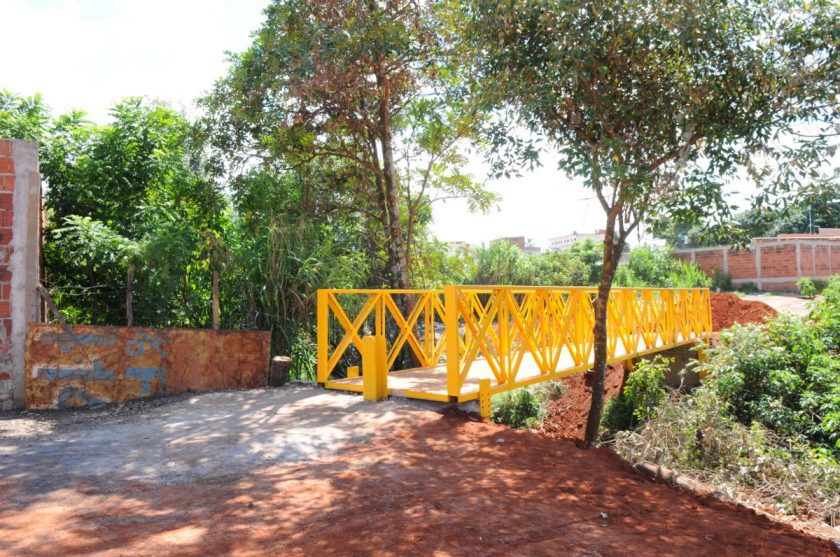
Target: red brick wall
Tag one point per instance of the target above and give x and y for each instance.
(7, 188)
(773, 264)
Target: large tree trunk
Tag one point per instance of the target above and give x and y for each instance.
(397, 256)
(612, 251)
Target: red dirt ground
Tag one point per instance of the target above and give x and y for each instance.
(446, 486)
(728, 309)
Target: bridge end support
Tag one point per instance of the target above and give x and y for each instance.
(485, 407)
(374, 369)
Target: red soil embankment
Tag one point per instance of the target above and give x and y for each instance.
(728, 309)
(566, 416)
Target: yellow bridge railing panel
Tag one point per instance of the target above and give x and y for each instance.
(501, 329)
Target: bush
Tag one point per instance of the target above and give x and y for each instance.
(820, 285)
(641, 397)
(748, 288)
(695, 434)
(806, 287)
(655, 267)
(526, 408)
(783, 376)
(721, 282)
(519, 409)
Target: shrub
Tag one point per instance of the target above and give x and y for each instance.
(641, 397)
(825, 316)
(820, 285)
(782, 376)
(806, 287)
(694, 433)
(721, 281)
(655, 267)
(526, 408)
(519, 409)
(748, 288)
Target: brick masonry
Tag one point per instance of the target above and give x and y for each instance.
(20, 195)
(772, 264)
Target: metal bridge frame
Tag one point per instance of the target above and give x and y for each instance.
(475, 341)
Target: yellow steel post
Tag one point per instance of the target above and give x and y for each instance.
(503, 323)
(381, 367)
(323, 324)
(485, 407)
(702, 357)
(453, 371)
(629, 364)
(353, 371)
(374, 369)
(370, 375)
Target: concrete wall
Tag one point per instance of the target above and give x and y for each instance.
(772, 264)
(80, 365)
(20, 212)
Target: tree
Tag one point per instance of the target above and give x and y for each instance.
(812, 205)
(128, 204)
(354, 85)
(653, 104)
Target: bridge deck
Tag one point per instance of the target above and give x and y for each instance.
(429, 383)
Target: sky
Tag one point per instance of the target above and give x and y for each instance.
(87, 54)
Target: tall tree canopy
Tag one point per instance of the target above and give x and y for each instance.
(653, 104)
(356, 86)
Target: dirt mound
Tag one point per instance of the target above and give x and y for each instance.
(566, 417)
(728, 309)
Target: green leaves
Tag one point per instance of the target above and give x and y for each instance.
(653, 104)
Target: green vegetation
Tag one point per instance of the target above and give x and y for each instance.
(812, 204)
(655, 267)
(806, 288)
(503, 263)
(526, 408)
(639, 401)
(651, 105)
(766, 417)
(697, 434)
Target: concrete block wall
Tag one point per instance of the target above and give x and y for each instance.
(772, 264)
(20, 211)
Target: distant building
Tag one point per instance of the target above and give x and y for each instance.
(521, 243)
(561, 243)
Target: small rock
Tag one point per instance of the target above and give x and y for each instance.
(604, 515)
(500, 440)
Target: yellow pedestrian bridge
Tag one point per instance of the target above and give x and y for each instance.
(464, 343)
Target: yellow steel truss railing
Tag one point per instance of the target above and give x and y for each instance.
(503, 326)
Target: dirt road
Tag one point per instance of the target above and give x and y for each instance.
(304, 472)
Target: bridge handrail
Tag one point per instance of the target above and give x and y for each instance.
(503, 324)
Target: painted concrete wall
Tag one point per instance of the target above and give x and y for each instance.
(772, 264)
(79, 365)
(20, 213)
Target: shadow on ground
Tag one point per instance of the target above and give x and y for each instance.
(433, 485)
